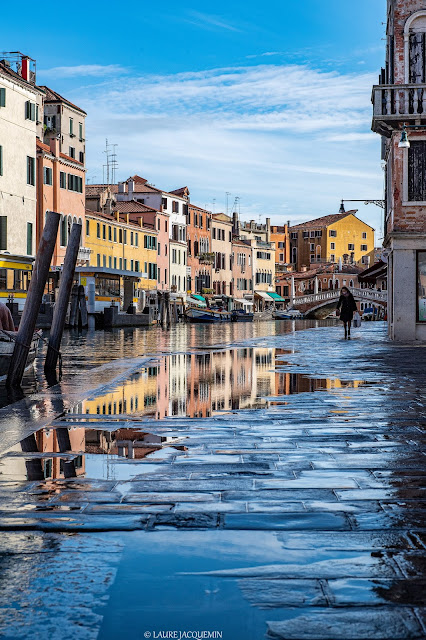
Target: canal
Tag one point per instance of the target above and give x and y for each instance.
(244, 480)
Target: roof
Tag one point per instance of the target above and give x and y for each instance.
(194, 206)
(41, 145)
(54, 96)
(377, 270)
(96, 189)
(221, 217)
(242, 243)
(132, 206)
(324, 221)
(64, 155)
(183, 192)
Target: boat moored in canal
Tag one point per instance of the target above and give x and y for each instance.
(7, 345)
(197, 314)
(240, 315)
(288, 314)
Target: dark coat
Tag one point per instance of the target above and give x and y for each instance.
(347, 306)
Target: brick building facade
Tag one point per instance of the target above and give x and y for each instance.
(399, 103)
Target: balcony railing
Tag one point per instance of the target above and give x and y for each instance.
(396, 102)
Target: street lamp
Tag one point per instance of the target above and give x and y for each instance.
(404, 143)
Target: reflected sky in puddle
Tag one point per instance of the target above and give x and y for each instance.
(199, 385)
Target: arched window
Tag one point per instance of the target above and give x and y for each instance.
(330, 284)
(351, 283)
(336, 284)
(415, 49)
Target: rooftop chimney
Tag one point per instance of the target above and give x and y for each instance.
(25, 68)
(121, 187)
(268, 229)
(130, 188)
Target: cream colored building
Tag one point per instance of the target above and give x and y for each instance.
(222, 248)
(20, 101)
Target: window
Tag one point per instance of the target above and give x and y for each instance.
(131, 265)
(3, 233)
(47, 175)
(305, 234)
(63, 180)
(115, 234)
(332, 245)
(164, 204)
(312, 234)
(137, 265)
(103, 232)
(230, 236)
(318, 234)
(110, 261)
(30, 110)
(109, 233)
(125, 264)
(364, 235)
(98, 230)
(351, 247)
(75, 183)
(87, 228)
(31, 171)
(120, 237)
(124, 236)
(281, 257)
(2, 97)
(63, 230)
(332, 258)
(29, 238)
(417, 171)
(115, 263)
(1, 160)
(71, 128)
(312, 258)
(294, 235)
(104, 261)
(71, 152)
(332, 233)
(158, 249)
(80, 131)
(81, 157)
(175, 206)
(364, 247)
(131, 239)
(136, 240)
(312, 246)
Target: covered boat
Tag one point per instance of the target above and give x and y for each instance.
(288, 314)
(197, 314)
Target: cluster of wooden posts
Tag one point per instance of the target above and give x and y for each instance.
(39, 277)
(167, 309)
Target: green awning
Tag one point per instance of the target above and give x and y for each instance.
(275, 296)
(195, 295)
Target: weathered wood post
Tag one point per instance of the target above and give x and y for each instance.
(74, 306)
(61, 306)
(34, 297)
(82, 305)
(64, 444)
(167, 309)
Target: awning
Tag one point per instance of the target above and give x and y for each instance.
(196, 300)
(249, 303)
(197, 297)
(263, 294)
(275, 296)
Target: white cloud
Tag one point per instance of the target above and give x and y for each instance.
(83, 70)
(209, 21)
(290, 140)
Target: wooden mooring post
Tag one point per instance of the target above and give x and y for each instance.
(61, 306)
(39, 277)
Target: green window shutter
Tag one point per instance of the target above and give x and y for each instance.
(2, 97)
(3, 232)
(32, 111)
(1, 160)
(29, 238)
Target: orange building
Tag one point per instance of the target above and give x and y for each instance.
(281, 238)
(60, 187)
(200, 256)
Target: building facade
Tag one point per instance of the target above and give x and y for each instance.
(242, 270)
(280, 237)
(337, 237)
(64, 121)
(222, 248)
(398, 101)
(200, 255)
(60, 187)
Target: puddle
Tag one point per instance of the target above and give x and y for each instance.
(184, 385)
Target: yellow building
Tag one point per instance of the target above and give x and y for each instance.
(125, 251)
(341, 236)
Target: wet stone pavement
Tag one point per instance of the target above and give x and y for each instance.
(258, 482)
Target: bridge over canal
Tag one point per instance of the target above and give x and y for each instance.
(319, 305)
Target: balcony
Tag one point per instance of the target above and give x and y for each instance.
(396, 103)
(206, 258)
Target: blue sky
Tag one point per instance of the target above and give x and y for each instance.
(269, 101)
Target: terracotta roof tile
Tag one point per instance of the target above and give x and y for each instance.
(64, 155)
(324, 221)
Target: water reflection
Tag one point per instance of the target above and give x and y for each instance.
(192, 385)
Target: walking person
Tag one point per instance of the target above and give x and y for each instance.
(345, 309)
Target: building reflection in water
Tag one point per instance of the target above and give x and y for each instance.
(194, 385)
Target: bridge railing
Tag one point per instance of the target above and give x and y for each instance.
(363, 294)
